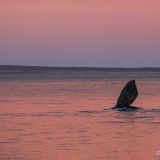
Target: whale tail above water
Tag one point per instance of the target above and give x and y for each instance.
(128, 95)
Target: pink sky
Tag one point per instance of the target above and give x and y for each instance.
(80, 33)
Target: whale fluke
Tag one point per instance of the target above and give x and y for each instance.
(128, 95)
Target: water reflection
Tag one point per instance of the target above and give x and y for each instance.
(74, 121)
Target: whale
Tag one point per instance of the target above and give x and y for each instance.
(127, 96)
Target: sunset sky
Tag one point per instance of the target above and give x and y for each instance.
(97, 33)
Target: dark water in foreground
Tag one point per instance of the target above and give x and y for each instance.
(58, 114)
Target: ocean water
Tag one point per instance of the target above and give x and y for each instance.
(64, 114)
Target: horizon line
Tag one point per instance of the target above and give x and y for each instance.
(89, 67)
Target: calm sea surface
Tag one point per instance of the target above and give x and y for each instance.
(58, 114)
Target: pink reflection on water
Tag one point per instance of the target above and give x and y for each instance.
(67, 120)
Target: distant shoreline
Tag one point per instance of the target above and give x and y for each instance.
(50, 68)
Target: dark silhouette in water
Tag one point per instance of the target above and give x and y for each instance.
(127, 97)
